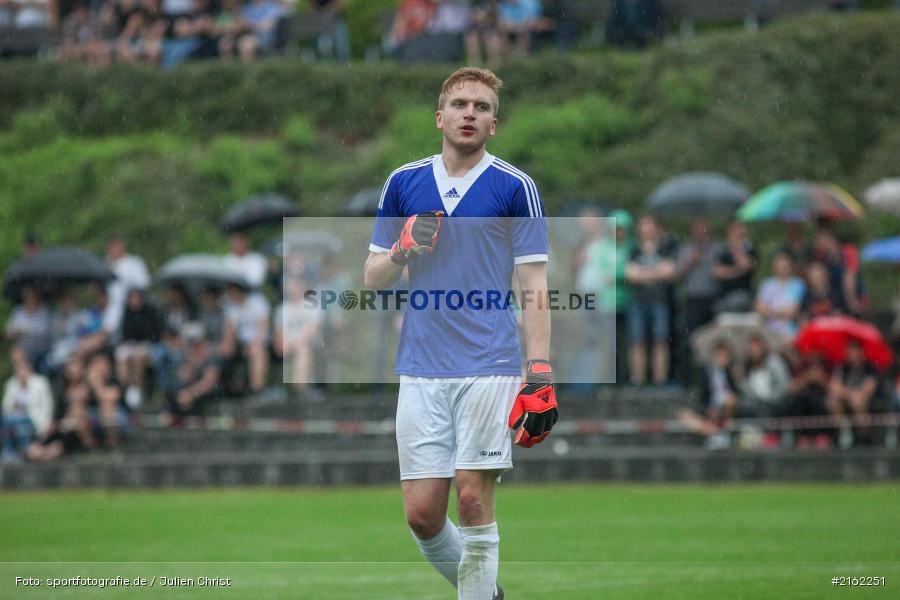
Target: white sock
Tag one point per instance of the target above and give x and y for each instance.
(479, 563)
(443, 551)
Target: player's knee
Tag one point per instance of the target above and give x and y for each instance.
(424, 521)
(471, 504)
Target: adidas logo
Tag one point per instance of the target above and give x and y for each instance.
(452, 193)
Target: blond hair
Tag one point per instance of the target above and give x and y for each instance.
(471, 74)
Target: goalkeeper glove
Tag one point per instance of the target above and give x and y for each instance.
(534, 412)
(418, 236)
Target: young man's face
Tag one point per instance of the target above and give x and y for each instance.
(468, 115)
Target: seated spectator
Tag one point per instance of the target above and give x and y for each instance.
(820, 299)
(177, 308)
(252, 265)
(808, 390)
(229, 28)
(69, 323)
(297, 333)
(141, 328)
(27, 407)
(484, 33)
(842, 261)
(780, 297)
(262, 16)
(29, 326)
(635, 23)
(101, 324)
(247, 333)
(649, 273)
(142, 37)
(764, 387)
(70, 421)
(198, 374)
(82, 38)
(333, 40)
(517, 20)
(734, 271)
(105, 400)
(211, 317)
(854, 390)
(718, 399)
(190, 35)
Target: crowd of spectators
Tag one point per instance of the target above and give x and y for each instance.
(81, 371)
(665, 291)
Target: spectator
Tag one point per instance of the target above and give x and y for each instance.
(29, 325)
(410, 21)
(27, 407)
(68, 324)
(262, 16)
(635, 23)
(74, 430)
(297, 334)
(820, 299)
(695, 266)
(82, 38)
(842, 261)
(764, 387)
(517, 20)
(334, 325)
(99, 323)
(483, 32)
(177, 307)
(595, 274)
(796, 245)
(105, 397)
(198, 374)
(252, 265)
(718, 399)
(131, 271)
(141, 329)
(734, 270)
(190, 34)
(649, 273)
(212, 318)
(808, 390)
(230, 26)
(853, 390)
(333, 40)
(620, 253)
(247, 333)
(780, 297)
(142, 37)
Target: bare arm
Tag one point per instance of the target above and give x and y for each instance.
(380, 271)
(535, 309)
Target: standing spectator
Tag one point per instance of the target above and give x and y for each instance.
(247, 333)
(595, 275)
(854, 389)
(297, 334)
(141, 328)
(842, 261)
(517, 21)
(635, 23)
(780, 297)
(734, 270)
(333, 40)
(620, 254)
(131, 270)
(796, 245)
(252, 265)
(820, 299)
(649, 273)
(27, 407)
(718, 399)
(198, 374)
(29, 325)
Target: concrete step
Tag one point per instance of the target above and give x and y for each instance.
(556, 461)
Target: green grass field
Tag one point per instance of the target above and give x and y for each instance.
(568, 542)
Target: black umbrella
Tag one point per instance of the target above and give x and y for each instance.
(200, 270)
(698, 194)
(364, 203)
(312, 242)
(263, 209)
(62, 264)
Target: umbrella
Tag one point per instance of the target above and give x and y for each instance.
(56, 265)
(886, 250)
(200, 269)
(829, 336)
(885, 195)
(736, 329)
(698, 194)
(264, 209)
(364, 203)
(800, 201)
(313, 242)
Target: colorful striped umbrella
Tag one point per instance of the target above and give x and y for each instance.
(800, 201)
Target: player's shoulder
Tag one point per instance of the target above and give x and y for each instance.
(511, 174)
(412, 167)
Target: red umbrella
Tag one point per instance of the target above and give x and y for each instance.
(829, 336)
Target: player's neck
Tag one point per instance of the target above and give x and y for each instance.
(458, 164)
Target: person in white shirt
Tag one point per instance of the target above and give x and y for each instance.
(131, 274)
(247, 332)
(252, 265)
(297, 332)
(27, 407)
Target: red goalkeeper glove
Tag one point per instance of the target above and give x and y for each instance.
(418, 236)
(534, 412)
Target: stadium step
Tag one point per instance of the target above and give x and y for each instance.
(557, 461)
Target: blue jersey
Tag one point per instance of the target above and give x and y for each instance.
(493, 220)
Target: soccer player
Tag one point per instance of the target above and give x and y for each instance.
(460, 370)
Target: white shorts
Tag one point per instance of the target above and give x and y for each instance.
(454, 423)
